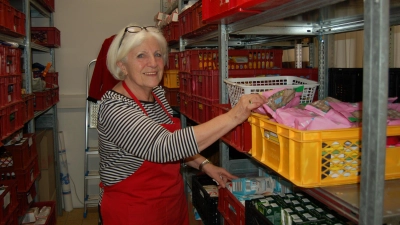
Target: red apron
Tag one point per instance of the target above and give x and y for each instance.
(153, 195)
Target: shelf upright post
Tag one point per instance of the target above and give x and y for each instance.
(27, 49)
(325, 60)
(298, 54)
(311, 55)
(223, 37)
(56, 133)
(375, 95)
(28, 57)
(182, 46)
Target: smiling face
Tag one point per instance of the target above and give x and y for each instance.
(144, 66)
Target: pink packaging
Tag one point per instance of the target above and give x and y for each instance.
(280, 98)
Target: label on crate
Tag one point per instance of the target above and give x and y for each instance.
(271, 136)
(30, 199)
(6, 199)
(32, 176)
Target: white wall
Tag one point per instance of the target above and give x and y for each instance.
(349, 50)
(84, 25)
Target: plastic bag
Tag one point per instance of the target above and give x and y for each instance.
(38, 84)
(280, 98)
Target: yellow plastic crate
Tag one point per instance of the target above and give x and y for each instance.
(315, 158)
(171, 79)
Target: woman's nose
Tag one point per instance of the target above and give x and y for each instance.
(152, 61)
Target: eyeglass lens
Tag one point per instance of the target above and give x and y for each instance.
(135, 29)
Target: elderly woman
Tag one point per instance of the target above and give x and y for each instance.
(141, 144)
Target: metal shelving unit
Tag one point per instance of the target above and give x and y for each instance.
(46, 118)
(320, 20)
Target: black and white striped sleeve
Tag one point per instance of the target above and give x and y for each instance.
(132, 131)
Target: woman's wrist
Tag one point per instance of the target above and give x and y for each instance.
(205, 162)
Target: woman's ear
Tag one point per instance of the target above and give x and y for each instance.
(122, 67)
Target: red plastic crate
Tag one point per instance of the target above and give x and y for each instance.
(2, 15)
(307, 73)
(29, 113)
(3, 91)
(8, 17)
(8, 199)
(227, 12)
(42, 100)
(173, 61)
(3, 123)
(185, 21)
(55, 96)
(14, 61)
(51, 219)
(172, 32)
(51, 79)
(186, 105)
(230, 208)
(3, 58)
(204, 59)
(202, 109)
(24, 177)
(240, 136)
(10, 89)
(257, 58)
(196, 18)
(48, 4)
(15, 116)
(172, 96)
(46, 36)
(260, 5)
(213, 8)
(12, 217)
(17, 155)
(25, 200)
(21, 24)
(18, 21)
(206, 84)
(185, 83)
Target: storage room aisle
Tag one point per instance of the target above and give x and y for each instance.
(75, 217)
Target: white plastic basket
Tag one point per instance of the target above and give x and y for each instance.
(240, 86)
(94, 110)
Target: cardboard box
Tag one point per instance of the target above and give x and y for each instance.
(47, 184)
(45, 148)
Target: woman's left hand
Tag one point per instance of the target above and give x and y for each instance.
(219, 174)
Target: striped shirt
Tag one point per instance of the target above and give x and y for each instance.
(127, 136)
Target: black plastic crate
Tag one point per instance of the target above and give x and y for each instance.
(253, 216)
(394, 83)
(206, 206)
(346, 84)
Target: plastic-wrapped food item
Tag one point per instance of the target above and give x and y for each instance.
(212, 190)
(44, 212)
(280, 98)
(393, 117)
(252, 185)
(307, 120)
(351, 111)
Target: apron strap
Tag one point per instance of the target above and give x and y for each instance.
(140, 104)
